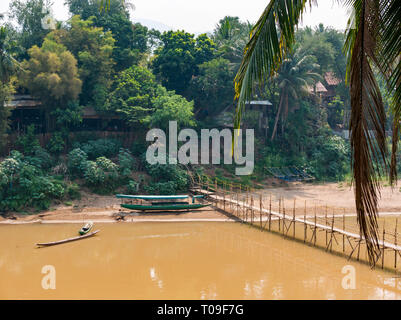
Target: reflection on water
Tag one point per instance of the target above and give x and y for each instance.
(178, 261)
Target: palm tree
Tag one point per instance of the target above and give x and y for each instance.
(231, 35)
(295, 77)
(373, 41)
(7, 62)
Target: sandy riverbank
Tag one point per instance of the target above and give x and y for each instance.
(337, 197)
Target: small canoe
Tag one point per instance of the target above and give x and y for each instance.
(164, 207)
(47, 244)
(86, 228)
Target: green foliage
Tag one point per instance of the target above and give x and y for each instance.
(132, 187)
(169, 106)
(131, 40)
(76, 162)
(56, 144)
(93, 48)
(99, 148)
(126, 162)
(166, 179)
(132, 94)
(6, 90)
(25, 185)
(177, 59)
(28, 142)
(331, 159)
(102, 176)
(213, 88)
(28, 15)
(40, 158)
(73, 191)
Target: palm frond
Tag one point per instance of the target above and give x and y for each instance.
(390, 58)
(270, 40)
(367, 115)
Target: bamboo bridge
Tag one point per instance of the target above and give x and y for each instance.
(334, 233)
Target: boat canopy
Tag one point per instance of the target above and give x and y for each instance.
(125, 196)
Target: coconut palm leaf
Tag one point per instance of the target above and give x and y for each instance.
(390, 12)
(270, 39)
(367, 115)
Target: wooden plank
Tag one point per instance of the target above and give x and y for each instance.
(67, 240)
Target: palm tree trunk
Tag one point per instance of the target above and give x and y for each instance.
(278, 114)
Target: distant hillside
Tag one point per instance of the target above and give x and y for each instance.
(152, 24)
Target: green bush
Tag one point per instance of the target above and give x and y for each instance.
(73, 191)
(40, 158)
(56, 144)
(126, 162)
(76, 162)
(28, 142)
(24, 185)
(101, 176)
(100, 148)
(167, 178)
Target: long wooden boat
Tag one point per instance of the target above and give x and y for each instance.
(47, 244)
(160, 202)
(164, 207)
(142, 197)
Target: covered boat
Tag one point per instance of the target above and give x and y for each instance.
(160, 203)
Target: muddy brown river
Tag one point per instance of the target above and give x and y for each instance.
(178, 260)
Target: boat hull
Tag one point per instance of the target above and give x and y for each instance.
(164, 207)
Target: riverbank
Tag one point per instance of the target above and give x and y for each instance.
(337, 197)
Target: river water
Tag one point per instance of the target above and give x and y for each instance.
(178, 260)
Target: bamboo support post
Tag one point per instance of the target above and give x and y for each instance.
(293, 220)
(344, 230)
(325, 222)
(260, 209)
(395, 242)
(270, 212)
(305, 225)
(384, 235)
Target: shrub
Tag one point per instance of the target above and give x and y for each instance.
(167, 188)
(56, 144)
(40, 158)
(77, 161)
(73, 191)
(102, 176)
(100, 148)
(25, 185)
(28, 142)
(132, 187)
(126, 162)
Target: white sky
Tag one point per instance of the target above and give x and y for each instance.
(201, 16)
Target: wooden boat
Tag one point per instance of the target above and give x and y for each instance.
(164, 207)
(86, 228)
(160, 203)
(47, 244)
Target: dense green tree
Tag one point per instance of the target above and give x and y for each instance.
(212, 89)
(132, 94)
(231, 36)
(169, 106)
(93, 48)
(8, 64)
(130, 44)
(29, 15)
(51, 74)
(178, 57)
